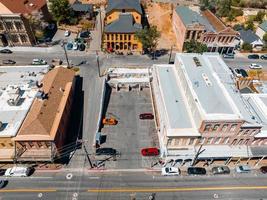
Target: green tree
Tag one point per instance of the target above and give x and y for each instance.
(250, 25)
(224, 8)
(259, 17)
(149, 38)
(194, 46)
(246, 46)
(265, 38)
(61, 10)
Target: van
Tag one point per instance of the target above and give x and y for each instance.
(18, 171)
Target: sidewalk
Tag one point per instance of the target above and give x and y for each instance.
(53, 49)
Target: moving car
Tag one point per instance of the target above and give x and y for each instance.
(229, 55)
(151, 151)
(5, 51)
(170, 171)
(106, 151)
(18, 171)
(220, 170)
(253, 56)
(263, 169)
(38, 61)
(2, 183)
(196, 171)
(9, 62)
(75, 46)
(109, 121)
(255, 66)
(67, 33)
(264, 57)
(242, 169)
(146, 116)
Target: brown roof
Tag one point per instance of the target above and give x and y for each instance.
(217, 24)
(23, 6)
(44, 115)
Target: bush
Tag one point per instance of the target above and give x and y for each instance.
(246, 46)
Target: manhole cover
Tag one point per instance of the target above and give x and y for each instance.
(69, 176)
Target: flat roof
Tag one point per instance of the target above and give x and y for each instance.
(178, 118)
(17, 92)
(206, 86)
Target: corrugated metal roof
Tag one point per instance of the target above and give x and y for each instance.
(248, 36)
(263, 26)
(124, 4)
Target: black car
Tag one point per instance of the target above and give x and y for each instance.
(264, 57)
(81, 47)
(253, 56)
(106, 151)
(243, 72)
(5, 51)
(196, 171)
(85, 34)
(9, 62)
(2, 172)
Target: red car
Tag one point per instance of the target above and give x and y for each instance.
(146, 116)
(152, 151)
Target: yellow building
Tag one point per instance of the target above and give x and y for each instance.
(123, 20)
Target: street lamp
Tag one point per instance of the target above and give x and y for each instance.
(66, 55)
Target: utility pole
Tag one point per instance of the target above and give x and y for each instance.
(66, 55)
(170, 55)
(97, 60)
(87, 155)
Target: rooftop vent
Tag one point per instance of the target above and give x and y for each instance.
(31, 4)
(207, 80)
(197, 62)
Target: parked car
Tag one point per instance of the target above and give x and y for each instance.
(106, 151)
(243, 72)
(264, 57)
(109, 121)
(220, 170)
(67, 33)
(151, 151)
(51, 26)
(255, 66)
(69, 46)
(229, 55)
(170, 171)
(57, 61)
(75, 46)
(237, 72)
(263, 169)
(146, 116)
(253, 56)
(242, 169)
(3, 183)
(84, 34)
(5, 51)
(196, 171)
(38, 61)
(2, 172)
(18, 171)
(81, 47)
(9, 62)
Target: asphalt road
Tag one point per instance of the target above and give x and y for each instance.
(116, 186)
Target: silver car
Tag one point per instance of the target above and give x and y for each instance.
(220, 170)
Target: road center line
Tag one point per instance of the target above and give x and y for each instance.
(115, 190)
(28, 190)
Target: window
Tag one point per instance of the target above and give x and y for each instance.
(215, 127)
(125, 37)
(226, 140)
(9, 25)
(1, 26)
(169, 142)
(233, 127)
(14, 38)
(107, 36)
(224, 128)
(246, 132)
(3, 144)
(123, 11)
(240, 132)
(109, 17)
(18, 25)
(176, 142)
(117, 36)
(129, 37)
(112, 37)
(136, 17)
(246, 142)
(24, 38)
(207, 127)
(209, 140)
(191, 141)
(120, 36)
(234, 141)
(253, 132)
(201, 140)
(240, 141)
(217, 140)
(11, 144)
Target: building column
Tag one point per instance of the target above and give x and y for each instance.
(258, 162)
(238, 161)
(190, 35)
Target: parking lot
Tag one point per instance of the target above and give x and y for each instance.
(131, 134)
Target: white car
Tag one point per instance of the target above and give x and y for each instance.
(170, 171)
(75, 46)
(255, 66)
(38, 61)
(18, 171)
(67, 33)
(243, 169)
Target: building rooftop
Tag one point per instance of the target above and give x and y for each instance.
(124, 24)
(124, 4)
(248, 36)
(17, 92)
(189, 17)
(80, 7)
(216, 23)
(263, 25)
(20, 6)
(179, 119)
(44, 116)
